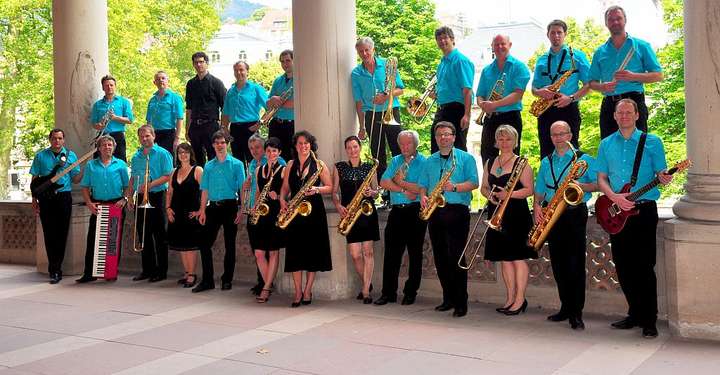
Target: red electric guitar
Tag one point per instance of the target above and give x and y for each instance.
(612, 218)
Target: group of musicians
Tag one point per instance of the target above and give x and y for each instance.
(283, 201)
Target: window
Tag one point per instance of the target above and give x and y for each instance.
(268, 54)
(242, 55)
(214, 56)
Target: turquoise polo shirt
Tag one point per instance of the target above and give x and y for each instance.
(106, 182)
(412, 176)
(45, 160)
(163, 112)
(544, 184)
(365, 85)
(607, 60)
(517, 76)
(548, 69)
(223, 180)
(465, 170)
(616, 156)
(161, 164)
(279, 86)
(454, 73)
(253, 175)
(121, 107)
(244, 105)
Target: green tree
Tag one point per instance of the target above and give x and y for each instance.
(265, 72)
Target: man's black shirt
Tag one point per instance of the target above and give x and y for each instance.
(205, 97)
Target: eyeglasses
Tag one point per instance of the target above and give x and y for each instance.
(559, 134)
(220, 142)
(441, 135)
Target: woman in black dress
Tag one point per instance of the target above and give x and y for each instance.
(268, 237)
(348, 177)
(308, 242)
(183, 197)
(509, 246)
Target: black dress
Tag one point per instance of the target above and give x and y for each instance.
(308, 242)
(184, 234)
(366, 228)
(511, 242)
(267, 235)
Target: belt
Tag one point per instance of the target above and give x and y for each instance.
(222, 203)
(406, 205)
(645, 203)
(114, 200)
(281, 121)
(624, 95)
(451, 104)
(201, 121)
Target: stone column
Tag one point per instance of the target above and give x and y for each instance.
(324, 55)
(692, 240)
(80, 59)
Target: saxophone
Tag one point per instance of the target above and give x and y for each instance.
(358, 205)
(540, 105)
(495, 95)
(568, 193)
(436, 198)
(495, 221)
(267, 116)
(298, 204)
(261, 208)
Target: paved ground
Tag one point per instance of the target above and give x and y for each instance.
(142, 328)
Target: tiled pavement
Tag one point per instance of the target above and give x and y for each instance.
(142, 328)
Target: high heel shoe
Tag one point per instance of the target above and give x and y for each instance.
(502, 310)
(518, 311)
(308, 301)
(264, 296)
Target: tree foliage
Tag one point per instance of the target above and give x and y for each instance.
(264, 72)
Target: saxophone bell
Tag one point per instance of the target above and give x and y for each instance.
(304, 208)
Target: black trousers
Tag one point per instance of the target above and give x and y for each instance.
(388, 136)
(404, 229)
(219, 214)
(634, 254)
(608, 125)
(448, 228)
(569, 114)
(240, 131)
(487, 140)
(90, 242)
(453, 113)
(200, 132)
(567, 257)
(284, 131)
(155, 246)
(165, 139)
(55, 213)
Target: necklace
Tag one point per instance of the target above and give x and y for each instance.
(499, 169)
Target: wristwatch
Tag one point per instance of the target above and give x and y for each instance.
(454, 188)
(572, 97)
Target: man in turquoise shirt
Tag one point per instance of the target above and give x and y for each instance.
(567, 237)
(165, 112)
(453, 90)
(282, 126)
(606, 76)
(404, 228)
(150, 224)
(549, 69)
(241, 112)
(449, 225)
(633, 248)
(506, 110)
(120, 114)
(55, 209)
(221, 182)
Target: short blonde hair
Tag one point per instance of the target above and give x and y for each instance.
(509, 131)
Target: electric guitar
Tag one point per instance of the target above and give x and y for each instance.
(46, 186)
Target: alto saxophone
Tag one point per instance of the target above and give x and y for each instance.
(298, 204)
(540, 105)
(267, 116)
(358, 205)
(495, 221)
(261, 208)
(436, 198)
(568, 193)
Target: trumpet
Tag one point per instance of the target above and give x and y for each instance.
(419, 107)
(476, 250)
(144, 205)
(390, 73)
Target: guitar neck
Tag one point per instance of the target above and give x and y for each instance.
(655, 182)
(67, 170)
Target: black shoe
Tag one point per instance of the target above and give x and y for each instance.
(626, 323)
(502, 310)
(576, 322)
(183, 280)
(256, 289)
(407, 300)
(522, 309)
(141, 277)
(559, 317)
(460, 312)
(202, 287)
(367, 300)
(309, 301)
(157, 278)
(85, 279)
(360, 295)
(55, 278)
(190, 281)
(226, 286)
(650, 332)
(445, 306)
(296, 304)
(384, 300)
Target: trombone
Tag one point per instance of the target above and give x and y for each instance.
(419, 107)
(144, 205)
(475, 251)
(390, 84)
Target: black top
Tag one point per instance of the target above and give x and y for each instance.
(205, 97)
(350, 180)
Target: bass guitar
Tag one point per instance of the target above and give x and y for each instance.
(46, 186)
(612, 218)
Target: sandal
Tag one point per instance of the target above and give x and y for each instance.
(264, 296)
(183, 280)
(190, 281)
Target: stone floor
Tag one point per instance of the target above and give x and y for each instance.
(142, 328)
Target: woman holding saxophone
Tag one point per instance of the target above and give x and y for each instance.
(308, 242)
(268, 237)
(349, 178)
(508, 243)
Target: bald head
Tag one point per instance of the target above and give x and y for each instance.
(501, 46)
(500, 37)
(559, 127)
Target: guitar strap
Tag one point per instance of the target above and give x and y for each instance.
(638, 158)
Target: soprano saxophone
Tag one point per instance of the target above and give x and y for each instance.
(436, 198)
(298, 204)
(358, 205)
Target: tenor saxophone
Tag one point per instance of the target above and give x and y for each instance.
(436, 198)
(358, 205)
(261, 208)
(540, 105)
(298, 204)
